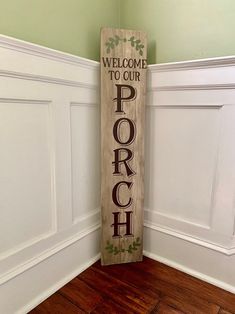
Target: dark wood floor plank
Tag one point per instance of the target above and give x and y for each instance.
(147, 287)
(80, 294)
(110, 307)
(166, 309)
(191, 305)
(222, 311)
(56, 304)
(125, 273)
(128, 297)
(198, 287)
(182, 299)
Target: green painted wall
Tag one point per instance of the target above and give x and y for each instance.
(68, 25)
(177, 29)
(183, 29)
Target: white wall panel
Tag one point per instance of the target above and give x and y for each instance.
(26, 174)
(183, 159)
(224, 202)
(190, 168)
(85, 123)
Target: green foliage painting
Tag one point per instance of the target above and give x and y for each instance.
(115, 250)
(116, 40)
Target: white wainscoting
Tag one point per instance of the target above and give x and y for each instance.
(50, 170)
(190, 168)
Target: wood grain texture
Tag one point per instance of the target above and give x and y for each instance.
(128, 297)
(222, 311)
(144, 287)
(80, 294)
(56, 304)
(127, 58)
(177, 297)
(111, 307)
(194, 286)
(163, 308)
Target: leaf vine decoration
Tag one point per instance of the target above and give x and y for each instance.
(115, 250)
(112, 42)
(137, 44)
(115, 41)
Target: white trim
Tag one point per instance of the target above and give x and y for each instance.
(62, 57)
(193, 87)
(57, 286)
(161, 213)
(46, 79)
(194, 273)
(189, 238)
(27, 244)
(44, 52)
(91, 214)
(25, 101)
(226, 61)
(83, 104)
(189, 106)
(46, 254)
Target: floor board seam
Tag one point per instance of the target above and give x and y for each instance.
(65, 297)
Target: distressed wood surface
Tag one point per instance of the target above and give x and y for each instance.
(123, 92)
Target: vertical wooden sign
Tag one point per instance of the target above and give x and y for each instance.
(123, 91)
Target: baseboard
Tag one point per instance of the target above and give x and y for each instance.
(190, 238)
(47, 293)
(47, 253)
(191, 272)
(25, 291)
(199, 262)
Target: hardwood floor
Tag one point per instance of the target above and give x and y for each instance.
(145, 287)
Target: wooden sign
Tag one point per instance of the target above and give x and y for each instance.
(123, 91)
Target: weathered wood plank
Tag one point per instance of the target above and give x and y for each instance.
(123, 92)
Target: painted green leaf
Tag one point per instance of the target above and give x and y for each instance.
(111, 249)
